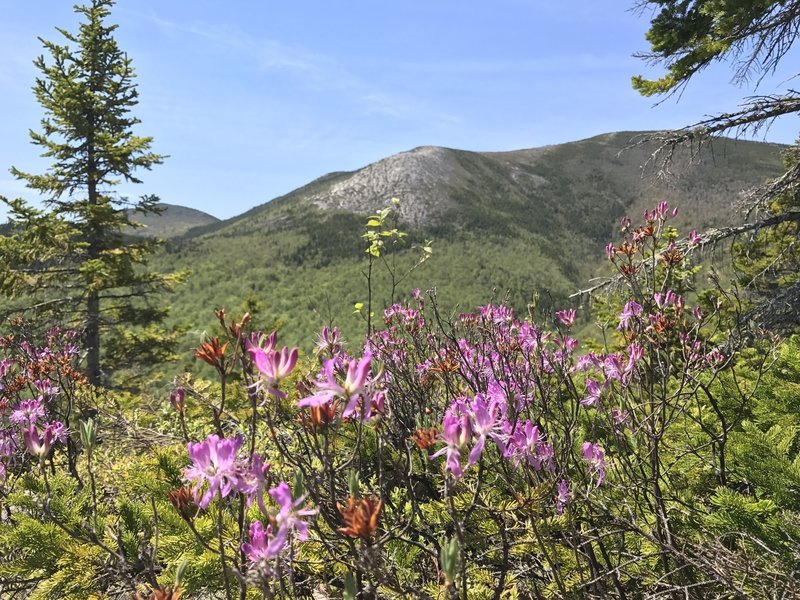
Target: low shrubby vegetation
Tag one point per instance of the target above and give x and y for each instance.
(474, 455)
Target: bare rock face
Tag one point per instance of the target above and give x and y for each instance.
(419, 178)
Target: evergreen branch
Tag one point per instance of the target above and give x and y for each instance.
(756, 113)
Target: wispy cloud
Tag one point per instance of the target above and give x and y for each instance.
(313, 70)
(266, 53)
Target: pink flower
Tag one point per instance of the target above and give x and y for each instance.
(484, 417)
(289, 517)
(259, 339)
(214, 463)
(39, 444)
(274, 366)
(635, 354)
(527, 443)
(376, 404)
(177, 398)
(326, 387)
(456, 433)
(594, 455)
(253, 481)
(694, 239)
(27, 413)
(593, 391)
(329, 342)
(613, 368)
(629, 311)
(47, 387)
(5, 366)
(354, 388)
(567, 317)
(357, 373)
(715, 358)
(9, 442)
(620, 416)
(564, 496)
(261, 548)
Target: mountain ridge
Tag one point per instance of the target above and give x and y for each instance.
(172, 220)
(429, 180)
(504, 224)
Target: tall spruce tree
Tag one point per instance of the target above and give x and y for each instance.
(74, 261)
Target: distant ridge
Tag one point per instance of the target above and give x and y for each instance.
(174, 221)
(505, 225)
(578, 185)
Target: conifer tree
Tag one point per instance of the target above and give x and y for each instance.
(74, 260)
(685, 37)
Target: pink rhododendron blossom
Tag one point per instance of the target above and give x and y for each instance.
(27, 413)
(177, 398)
(715, 358)
(289, 517)
(456, 433)
(694, 239)
(329, 342)
(528, 444)
(629, 312)
(39, 443)
(9, 441)
(484, 420)
(567, 317)
(589, 360)
(262, 545)
(5, 366)
(253, 482)
(214, 463)
(259, 339)
(46, 388)
(612, 367)
(635, 354)
(356, 382)
(660, 213)
(563, 497)
(593, 391)
(326, 387)
(594, 455)
(376, 405)
(620, 416)
(354, 388)
(274, 366)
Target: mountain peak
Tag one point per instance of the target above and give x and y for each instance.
(418, 177)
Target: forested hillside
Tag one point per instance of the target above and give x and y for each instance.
(503, 225)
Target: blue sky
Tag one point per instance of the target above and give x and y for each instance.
(252, 99)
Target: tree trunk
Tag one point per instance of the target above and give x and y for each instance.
(93, 339)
